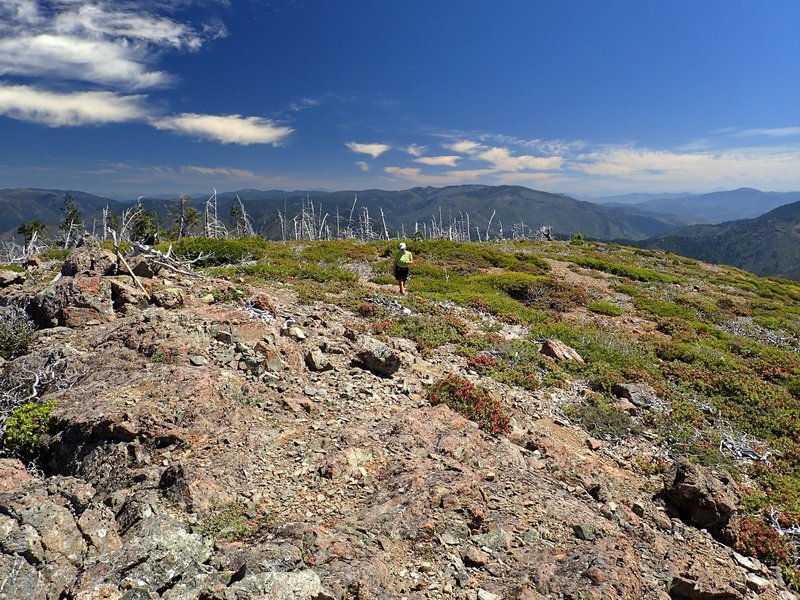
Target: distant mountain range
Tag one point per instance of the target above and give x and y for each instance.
(768, 244)
(402, 210)
(715, 207)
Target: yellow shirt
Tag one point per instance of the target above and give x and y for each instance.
(403, 258)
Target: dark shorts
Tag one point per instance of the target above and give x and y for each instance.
(401, 273)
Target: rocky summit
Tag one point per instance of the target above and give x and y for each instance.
(212, 445)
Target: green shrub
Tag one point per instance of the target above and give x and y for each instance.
(471, 401)
(660, 308)
(605, 308)
(55, 254)
(601, 420)
(577, 239)
(429, 332)
(627, 271)
(216, 252)
(25, 427)
(15, 267)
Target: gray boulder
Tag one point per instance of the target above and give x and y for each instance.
(377, 357)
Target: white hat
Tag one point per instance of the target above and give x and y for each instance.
(402, 245)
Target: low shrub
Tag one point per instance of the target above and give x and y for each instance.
(621, 270)
(231, 521)
(429, 332)
(471, 401)
(758, 538)
(25, 427)
(605, 308)
(209, 252)
(601, 420)
(16, 331)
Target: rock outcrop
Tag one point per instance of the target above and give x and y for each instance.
(203, 452)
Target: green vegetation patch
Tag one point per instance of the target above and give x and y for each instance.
(232, 521)
(623, 270)
(605, 308)
(26, 426)
(210, 252)
(602, 420)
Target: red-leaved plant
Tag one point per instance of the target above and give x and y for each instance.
(472, 401)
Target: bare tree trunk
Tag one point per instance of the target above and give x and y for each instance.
(489, 226)
(383, 220)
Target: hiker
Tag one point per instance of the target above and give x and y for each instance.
(403, 259)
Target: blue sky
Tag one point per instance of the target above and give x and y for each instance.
(591, 98)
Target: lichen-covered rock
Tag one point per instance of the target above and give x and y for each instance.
(74, 302)
(20, 580)
(639, 394)
(89, 258)
(295, 585)
(377, 357)
(702, 498)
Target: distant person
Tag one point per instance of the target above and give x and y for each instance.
(403, 259)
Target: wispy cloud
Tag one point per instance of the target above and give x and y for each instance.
(112, 46)
(228, 129)
(304, 103)
(225, 172)
(72, 109)
(68, 58)
(374, 150)
(416, 150)
(438, 161)
(463, 146)
(777, 132)
(364, 166)
(416, 176)
(96, 42)
(645, 168)
(503, 160)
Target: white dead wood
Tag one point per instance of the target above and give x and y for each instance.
(489, 226)
(124, 262)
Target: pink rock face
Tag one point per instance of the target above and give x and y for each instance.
(13, 475)
(559, 351)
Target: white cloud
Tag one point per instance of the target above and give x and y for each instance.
(73, 109)
(74, 59)
(374, 150)
(98, 42)
(416, 150)
(228, 129)
(224, 172)
(304, 103)
(774, 132)
(463, 147)
(364, 166)
(95, 21)
(502, 160)
(438, 161)
(19, 11)
(644, 168)
(415, 175)
(404, 172)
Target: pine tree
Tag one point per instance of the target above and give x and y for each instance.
(31, 228)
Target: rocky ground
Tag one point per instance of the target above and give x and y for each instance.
(269, 449)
